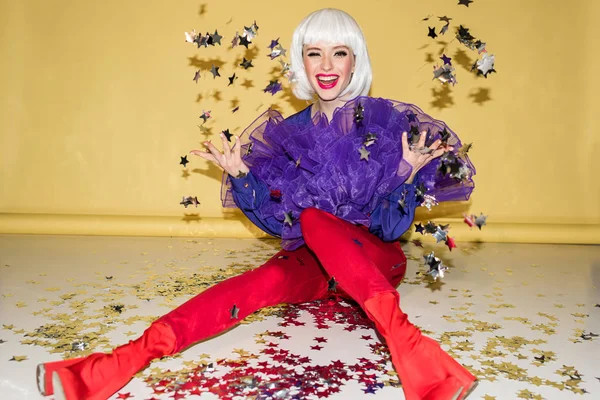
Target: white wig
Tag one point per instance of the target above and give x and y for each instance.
(330, 26)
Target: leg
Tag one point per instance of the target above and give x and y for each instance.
(359, 262)
(288, 277)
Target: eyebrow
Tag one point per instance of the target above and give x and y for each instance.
(336, 47)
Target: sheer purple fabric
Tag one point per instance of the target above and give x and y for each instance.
(318, 164)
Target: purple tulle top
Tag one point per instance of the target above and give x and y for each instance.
(311, 162)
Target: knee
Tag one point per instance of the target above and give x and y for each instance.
(309, 217)
(273, 275)
(309, 214)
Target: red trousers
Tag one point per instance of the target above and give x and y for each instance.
(361, 264)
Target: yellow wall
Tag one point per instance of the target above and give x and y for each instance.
(98, 104)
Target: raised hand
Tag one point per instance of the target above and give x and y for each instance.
(230, 160)
(418, 155)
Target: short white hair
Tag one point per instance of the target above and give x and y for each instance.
(330, 26)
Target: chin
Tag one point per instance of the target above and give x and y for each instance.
(328, 96)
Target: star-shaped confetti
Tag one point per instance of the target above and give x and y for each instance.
(429, 201)
(273, 87)
(228, 135)
(450, 243)
(370, 139)
(436, 268)
(481, 221)
(485, 66)
(205, 116)
(188, 201)
(233, 312)
(432, 33)
(464, 149)
(243, 41)
(419, 228)
(431, 227)
(331, 284)
(232, 78)
(184, 161)
(190, 37)
(216, 38)
(215, 71)
(364, 153)
(288, 218)
(246, 64)
(445, 74)
(358, 113)
(440, 235)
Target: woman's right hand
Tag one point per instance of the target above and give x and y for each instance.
(230, 160)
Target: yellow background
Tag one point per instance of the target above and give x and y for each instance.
(97, 104)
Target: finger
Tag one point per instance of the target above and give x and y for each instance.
(435, 145)
(237, 148)
(204, 154)
(214, 151)
(226, 149)
(422, 138)
(405, 148)
(438, 153)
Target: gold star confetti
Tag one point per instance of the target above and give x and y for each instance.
(526, 394)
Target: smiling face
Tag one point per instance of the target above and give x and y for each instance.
(328, 68)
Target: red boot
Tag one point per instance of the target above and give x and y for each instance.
(44, 374)
(426, 371)
(101, 375)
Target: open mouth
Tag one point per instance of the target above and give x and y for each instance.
(327, 81)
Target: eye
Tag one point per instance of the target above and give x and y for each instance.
(341, 53)
(312, 54)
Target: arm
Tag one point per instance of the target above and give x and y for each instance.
(250, 195)
(389, 221)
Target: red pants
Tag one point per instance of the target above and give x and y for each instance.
(360, 263)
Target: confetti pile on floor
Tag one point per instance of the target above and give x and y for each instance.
(523, 318)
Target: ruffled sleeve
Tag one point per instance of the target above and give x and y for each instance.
(395, 214)
(249, 194)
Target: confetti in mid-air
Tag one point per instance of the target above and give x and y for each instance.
(184, 161)
(188, 201)
(436, 268)
(273, 87)
(473, 220)
(205, 115)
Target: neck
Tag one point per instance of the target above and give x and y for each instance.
(327, 107)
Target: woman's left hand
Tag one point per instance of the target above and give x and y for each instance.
(418, 155)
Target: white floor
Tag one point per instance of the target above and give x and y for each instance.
(522, 317)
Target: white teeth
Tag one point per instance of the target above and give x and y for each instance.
(328, 79)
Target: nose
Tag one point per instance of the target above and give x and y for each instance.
(326, 64)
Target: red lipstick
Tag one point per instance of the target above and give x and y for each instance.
(329, 81)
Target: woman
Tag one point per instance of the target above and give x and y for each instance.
(338, 183)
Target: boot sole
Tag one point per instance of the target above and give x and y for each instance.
(59, 392)
(40, 374)
(470, 390)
